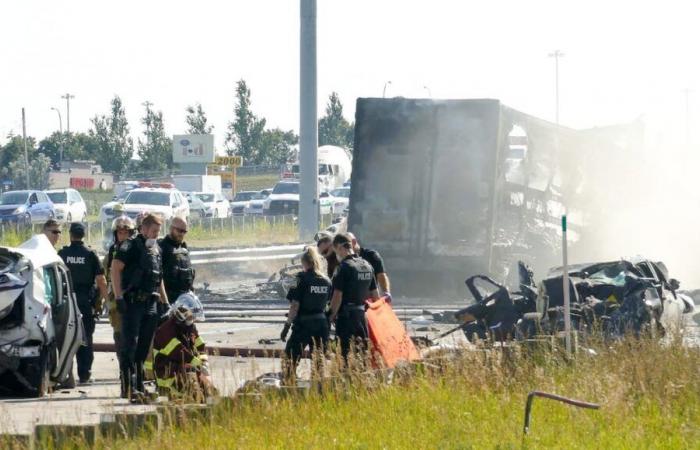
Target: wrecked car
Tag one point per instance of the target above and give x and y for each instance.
(40, 324)
(618, 297)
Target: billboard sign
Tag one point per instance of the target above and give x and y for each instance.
(193, 148)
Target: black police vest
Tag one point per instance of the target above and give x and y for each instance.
(81, 261)
(144, 276)
(178, 273)
(360, 279)
(315, 293)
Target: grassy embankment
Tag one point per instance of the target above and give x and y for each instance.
(649, 396)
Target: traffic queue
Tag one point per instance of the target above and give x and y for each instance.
(147, 285)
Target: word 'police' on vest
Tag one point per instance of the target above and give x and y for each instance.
(364, 276)
(319, 289)
(75, 260)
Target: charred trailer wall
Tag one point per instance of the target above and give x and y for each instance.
(424, 188)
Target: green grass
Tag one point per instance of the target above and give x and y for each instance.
(649, 396)
(210, 233)
(256, 182)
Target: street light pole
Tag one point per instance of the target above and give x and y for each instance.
(68, 97)
(26, 154)
(60, 129)
(384, 90)
(430, 94)
(308, 122)
(556, 55)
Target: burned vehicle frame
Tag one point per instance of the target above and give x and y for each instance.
(614, 298)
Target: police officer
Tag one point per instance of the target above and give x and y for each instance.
(353, 283)
(52, 231)
(137, 280)
(178, 273)
(308, 299)
(375, 260)
(122, 229)
(86, 272)
(325, 248)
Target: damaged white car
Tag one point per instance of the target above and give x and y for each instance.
(40, 324)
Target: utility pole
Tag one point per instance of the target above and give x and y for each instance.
(556, 55)
(686, 94)
(308, 125)
(384, 90)
(60, 129)
(68, 97)
(26, 155)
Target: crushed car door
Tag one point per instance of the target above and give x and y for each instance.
(68, 324)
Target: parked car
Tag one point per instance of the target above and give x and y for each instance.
(215, 202)
(40, 325)
(197, 207)
(240, 201)
(166, 203)
(339, 200)
(283, 200)
(255, 205)
(26, 207)
(68, 204)
(107, 210)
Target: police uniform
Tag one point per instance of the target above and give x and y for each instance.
(373, 258)
(354, 277)
(115, 319)
(141, 280)
(310, 327)
(178, 273)
(84, 266)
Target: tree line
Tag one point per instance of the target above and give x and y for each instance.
(109, 143)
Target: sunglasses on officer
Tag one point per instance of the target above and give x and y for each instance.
(55, 231)
(180, 230)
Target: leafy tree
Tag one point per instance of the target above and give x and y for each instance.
(156, 148)
(75, 146)
(277, 146)
(333, 129)
(39, 168)
(245, 133)
(111, 137)
(13, 150)
(197, 120)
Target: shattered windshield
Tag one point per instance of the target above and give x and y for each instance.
(14, 198)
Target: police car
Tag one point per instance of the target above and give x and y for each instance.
(166, 203)
(40, 324)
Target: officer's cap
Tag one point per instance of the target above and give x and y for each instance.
(77, 229)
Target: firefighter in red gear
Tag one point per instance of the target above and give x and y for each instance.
(179, 357)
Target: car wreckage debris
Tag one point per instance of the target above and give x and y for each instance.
(614, 298)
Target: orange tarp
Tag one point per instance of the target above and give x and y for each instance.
(388, 335)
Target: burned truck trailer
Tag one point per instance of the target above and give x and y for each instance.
(449, 188)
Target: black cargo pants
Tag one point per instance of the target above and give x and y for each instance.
(351, 329)
(139, 324)
(85, 354)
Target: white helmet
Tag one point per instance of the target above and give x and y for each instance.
(123, 222)
(187, 309)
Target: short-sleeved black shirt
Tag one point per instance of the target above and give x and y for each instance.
(355, 279)
(128, 251)
(374, 258)
(312, 291)
(84, 266)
